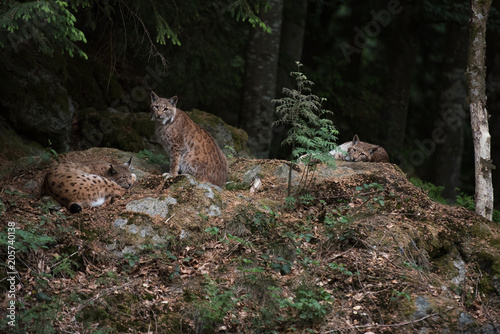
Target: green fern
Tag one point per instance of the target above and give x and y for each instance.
(311, 133)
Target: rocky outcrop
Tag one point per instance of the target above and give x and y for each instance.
(35, 102)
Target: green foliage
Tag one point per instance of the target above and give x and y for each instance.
(280, 265)
(244, 11)
(311, 303)
(232, 151)
(263, 222)
(290, 202)
(339, 220)
(131, 258)
(434, 192)
(152, 158)
(64, 266)
(462, 199)
(466, 201)
(38, 318)
(396, 295)
(49, 153)
(340, 268)
(370, 193)
(26, 240)
(306, 199)
(310, 133)
(50, 25)
(232, 186)
(163, 29)
(212, 230)
(213, 305)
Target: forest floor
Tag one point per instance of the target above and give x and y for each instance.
(360, 250)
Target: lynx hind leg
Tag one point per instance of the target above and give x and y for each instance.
(75, 207)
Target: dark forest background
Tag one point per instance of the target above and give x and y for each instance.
(392, 72)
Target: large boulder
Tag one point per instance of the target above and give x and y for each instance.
(185, 208)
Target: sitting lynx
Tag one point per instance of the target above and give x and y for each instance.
(192, 150)
(76, 186)
(361, 151)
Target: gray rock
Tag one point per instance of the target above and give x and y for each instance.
(139, 235)
(423, 308)
(465, 319)
(460, 265)
(214, 211)
(250, 174)
(51, 203)
(152, 206)
(282, 171)
(30, 185)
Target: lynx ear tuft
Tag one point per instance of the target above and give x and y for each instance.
(154, 97)
(129, 163)
(355, 140)
(173, 100)
(112, 170)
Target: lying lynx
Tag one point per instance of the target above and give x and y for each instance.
(76, 186)
(361, 151)
(340, 152)
(192, 150)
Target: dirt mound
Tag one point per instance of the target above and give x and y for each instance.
(360, 249)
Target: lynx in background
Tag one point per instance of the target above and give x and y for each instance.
(76, 185)
(357, 150)
(192, 150)
(361, 151)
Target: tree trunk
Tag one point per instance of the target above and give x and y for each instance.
(476, 77)
(291, 45)
(260, 81)
(452, 112)
(403, 40)
(292, 40)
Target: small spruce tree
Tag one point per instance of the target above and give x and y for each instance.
(311, 134)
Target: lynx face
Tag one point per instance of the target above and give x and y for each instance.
(362, 151)
(120, 174)
(163, 110)
(358, 154)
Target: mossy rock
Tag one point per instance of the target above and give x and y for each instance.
(109, 128)
(231, 140)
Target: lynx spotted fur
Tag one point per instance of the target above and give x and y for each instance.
(76, 186)
(192, 150)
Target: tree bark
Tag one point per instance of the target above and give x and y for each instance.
(292, 41)
(260, 81)
(403, 41)
(291, 45)
(452, 112)
(476, 77)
